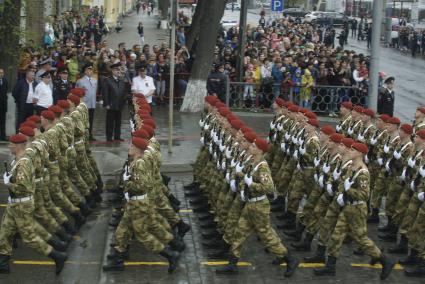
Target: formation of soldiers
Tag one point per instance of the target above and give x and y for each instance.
(149, 211)
(325, 181)
(53, 181)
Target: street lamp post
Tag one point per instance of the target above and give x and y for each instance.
(173, 6)
(374, 58)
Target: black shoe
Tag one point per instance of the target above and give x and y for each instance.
(208, 225)
(329, 268)
(389, 227)
(291, 265)
(211, 234)
(114, 254)
(387, 266)
(401, 247)
(290, 223)
(278, 205)
(219, 255)
(183, 228)
(374, 217)
(193, 193)
(358, 251)
(79, 219)
(304, 245)
(174, 200)
(177, 245)
(172, 257)
(296, 234)
(57, 244)
(418, 271)
(91, 202)
(191, 186)
(230, 268)
(388, 237)
(64, 236)
(215, 244)
(318, 257)
(70, 228)
(115, 262)
(59, 258)
(411, 259)
(4, 264)
(284, 216)
(85, 209)
(202, 209)
(206, 217)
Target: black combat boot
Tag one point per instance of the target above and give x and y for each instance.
(57, 244)
(231, 268)
(207, 224)
(114, 253)
(296, 234)
(90, 201)
(211, 234)
(401, 247)
(193, 193)
(387, 266)
(201, 209)
(172, 257)
(221, 254)
(318, 257)
(115, 262)
(70, 228)
(4, 264)
(63, 235)
(174, 199)
(79, 219)
(284, 216)
(390, 236)
(411, 259)
(290, 223)
(206, 217)
(389, 227)
(329, 268)
(84, 208)
(193, 185)
(278, 205)
(182, 228)
(418, 271)
(291, 264)
(215, 244)
(304, 245)
(374, 217)
(177, 245)
(59, 258)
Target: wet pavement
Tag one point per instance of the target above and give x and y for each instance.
(87, 252)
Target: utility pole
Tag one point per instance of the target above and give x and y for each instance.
(374, 58)
(173, 5)
(242, 39)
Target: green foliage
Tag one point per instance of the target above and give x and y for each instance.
(10, 31)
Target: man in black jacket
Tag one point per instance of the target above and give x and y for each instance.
(23, 93)
(216, 83)
(386, 97)
(61, 85)
(3, 105)
(114, 93)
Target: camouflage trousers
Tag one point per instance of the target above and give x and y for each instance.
(284, 177)
(312, 200)
(276, 164)
(410, 214)
(200, 162)
(352, 220)
(302, 184)
(400, 208)
(19, 218)
(394, 191)
(232, 219)
(55, 189)
(74, 174)
(84, 167)
(313, 223)
(223, 213)
(255, 218)
(378, 191)
(40, 212)
(139, 219)
(416, 232)
(328, 223)
(51, 207)
(66, 184)
(162, 206)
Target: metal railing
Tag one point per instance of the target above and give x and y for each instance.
(320, 99)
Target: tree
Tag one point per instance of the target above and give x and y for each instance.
(210, 23)
(196, 24)
(163, 6)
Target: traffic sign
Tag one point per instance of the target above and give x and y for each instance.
(277, 5)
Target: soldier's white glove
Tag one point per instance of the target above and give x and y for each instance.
(366, 159)
(336, 174)
(233, 185)
(215, 156)
(373, 141)
(321, 183)
(201, 123)
(421, 196)
(248, 180)
(295, 155)
(360, 138)
(350, 131)
(274, 137)
(397, 155)
(219, 142)
(131, 125)
(125, 176)
(326, 168)
(272, 126)
(206, 126)
(387, 166)
(6, 178)
(288, 151)
(403, 175)
(380, 161)
(243, 198)
(202, 140)
(287, 136)
(239, 168)
(223, 165)
(411, 162)
(316, 178)
(283, 146)
(221, 147)
(329, 189)
(233, 163)
(127, 196)
(412, 186)
(279, 127)
(228, 153)
(338, 128)
(340, 200)
(302, 151)
(227, 177)
(422, 171)
(348, 184)
(295, 140)
(386, 148)
(298, 166)
(316, 161)
(300, 142)
(210, 149)
(218, 165)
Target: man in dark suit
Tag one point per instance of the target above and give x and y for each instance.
(114, 93)
(386, 97)
(23, 93)
(61, 85)
(3, 105)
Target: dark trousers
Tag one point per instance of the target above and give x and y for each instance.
(113, 124)
(3, 124)
(91, 117)
(24, 112)
(39, 109)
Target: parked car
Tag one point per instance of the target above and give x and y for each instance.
(294, 12)
(326, 18)
(236, 6)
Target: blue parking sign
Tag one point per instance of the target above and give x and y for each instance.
(277, 5)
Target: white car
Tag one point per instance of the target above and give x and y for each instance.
(236, 6)
(310, 17)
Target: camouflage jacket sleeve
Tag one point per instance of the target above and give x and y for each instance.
(262, 182)
(359, 191)
(312, 147)
(21, 182)
(139, 181)
(406, 152)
